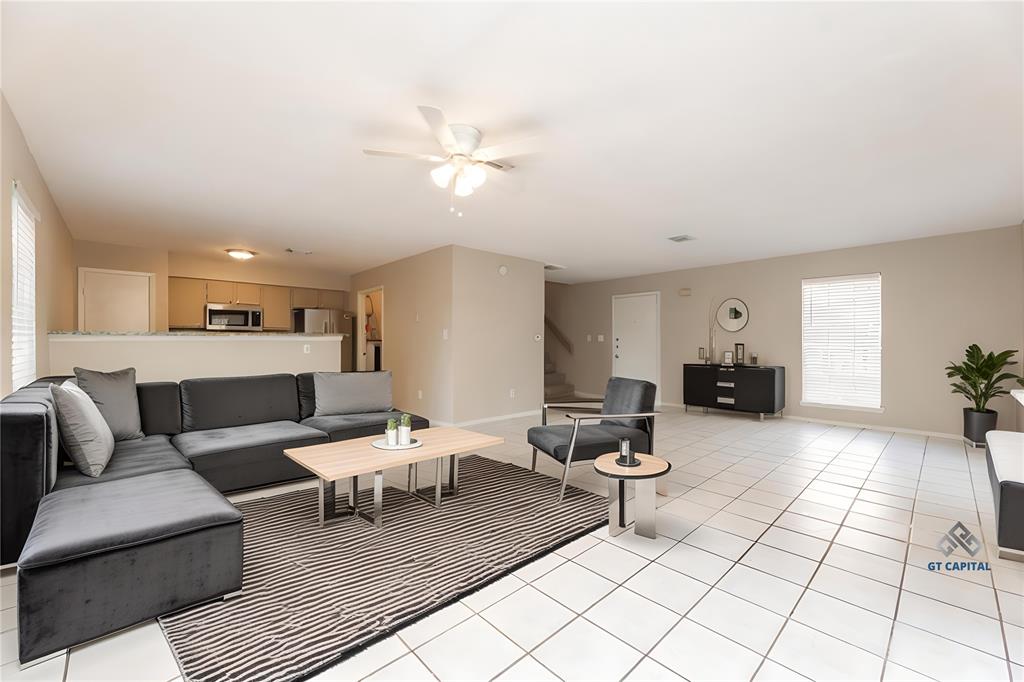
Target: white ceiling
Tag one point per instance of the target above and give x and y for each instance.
(761, 129)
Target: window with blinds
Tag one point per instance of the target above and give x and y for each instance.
(23, 292)
(842, 341)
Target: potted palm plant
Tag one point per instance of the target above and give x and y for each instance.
(979, 379)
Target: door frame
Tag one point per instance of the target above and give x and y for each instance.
(361, 326)
(657, 334)
(82, 271)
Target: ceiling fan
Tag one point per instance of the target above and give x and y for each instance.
(464, 162)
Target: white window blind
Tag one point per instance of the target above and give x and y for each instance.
(842, 341)
(23, 291)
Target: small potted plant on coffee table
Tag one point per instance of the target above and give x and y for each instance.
(391, 432)
(978, 378)
(405, 430)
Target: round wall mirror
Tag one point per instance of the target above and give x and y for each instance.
(732, 315)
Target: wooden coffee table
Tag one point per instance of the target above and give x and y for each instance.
(349, 459)
(644, 502)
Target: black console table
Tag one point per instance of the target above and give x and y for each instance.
(740, 388)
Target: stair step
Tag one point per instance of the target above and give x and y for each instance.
(554, 379)
(558, 391)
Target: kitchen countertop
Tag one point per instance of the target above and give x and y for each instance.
(188, 334)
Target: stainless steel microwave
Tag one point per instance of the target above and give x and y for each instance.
(239, 318)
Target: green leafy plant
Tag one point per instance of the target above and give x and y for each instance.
(392, 425)
(978, 378)
(407, 420)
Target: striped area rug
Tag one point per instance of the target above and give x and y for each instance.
(313, 596)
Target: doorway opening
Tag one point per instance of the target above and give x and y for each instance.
(116, 300)
(370, 330)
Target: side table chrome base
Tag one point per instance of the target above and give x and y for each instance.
(644, 507)
(329, 506)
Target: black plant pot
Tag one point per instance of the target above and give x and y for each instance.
(977, 424)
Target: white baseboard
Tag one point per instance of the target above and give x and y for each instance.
(877, 427)
(498, 418)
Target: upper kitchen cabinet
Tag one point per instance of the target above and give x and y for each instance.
(220, 292)
(332, 299)
(247, 294)
(186, 304)
(277, 309)
(305, 298)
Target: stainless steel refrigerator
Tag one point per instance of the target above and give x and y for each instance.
(328, 321)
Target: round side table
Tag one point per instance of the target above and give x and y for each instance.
(645, 476)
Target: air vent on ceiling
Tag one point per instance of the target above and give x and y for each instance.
(552, 266)
(291, 250)
(682, 238)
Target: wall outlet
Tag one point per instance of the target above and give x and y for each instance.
(419, 394)
(305, 348)
(444, 333)
(512, 393)
(417, 317)
(600, 338)
(590, 338)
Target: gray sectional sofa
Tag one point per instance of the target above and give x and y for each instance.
(153, 533)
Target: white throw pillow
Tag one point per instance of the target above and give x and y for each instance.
(83, 430)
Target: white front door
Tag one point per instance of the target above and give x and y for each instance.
(114, 301)
(636, 337)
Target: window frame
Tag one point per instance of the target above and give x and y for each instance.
(24, 373)
(853, 407)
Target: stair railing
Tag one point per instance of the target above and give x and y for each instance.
(557, 333)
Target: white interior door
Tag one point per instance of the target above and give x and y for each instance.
(115, 301)
(636, 337)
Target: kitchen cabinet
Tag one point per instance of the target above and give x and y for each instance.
(220, 292)
(305, 298)
(332, 299)
(247, 294)
(277, 309)
(186, 304)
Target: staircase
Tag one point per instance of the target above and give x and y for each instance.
(555, 386)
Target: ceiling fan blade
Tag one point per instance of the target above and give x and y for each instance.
(439, 126)
(433, 158)
(529, 145)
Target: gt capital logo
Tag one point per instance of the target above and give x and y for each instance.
(959, 536)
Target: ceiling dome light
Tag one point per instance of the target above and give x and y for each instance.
(442, 175)
(240, 254)
(463, 186)
(475, 174)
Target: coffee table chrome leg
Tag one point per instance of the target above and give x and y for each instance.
(325, 501)
(645, 508)
(409, 483)
(353, 492)
(378, 498)
(453, 475)
(616, 507)
(438, 476)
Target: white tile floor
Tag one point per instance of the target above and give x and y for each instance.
(788, 550)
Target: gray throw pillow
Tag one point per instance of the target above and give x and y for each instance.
(115, 395)
(83, 431)
(352, 392)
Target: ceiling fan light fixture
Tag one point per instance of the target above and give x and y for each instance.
(476, 174)
(463, 185)
(442, 175)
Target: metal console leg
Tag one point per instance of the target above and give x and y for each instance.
(325, 501)
(645, 508)
(378, 498)
(437, 492)
(329, 507)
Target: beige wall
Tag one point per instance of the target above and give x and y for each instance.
(418, 295)
(938, 296)
(173, 358)
(497, 331)
(256, 270)
(137, 259)
(55, 286)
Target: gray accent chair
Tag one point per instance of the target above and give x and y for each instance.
(627, 411)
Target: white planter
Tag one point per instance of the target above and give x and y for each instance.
(392, 436)
(404, 435)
